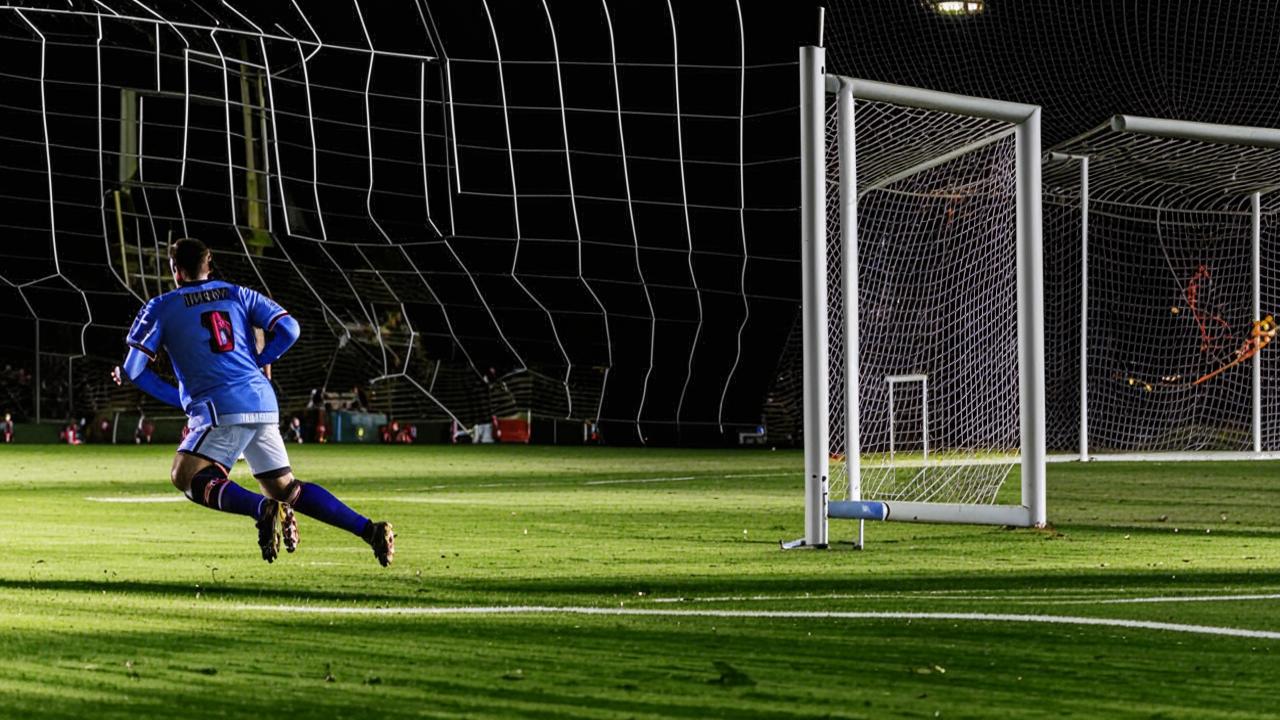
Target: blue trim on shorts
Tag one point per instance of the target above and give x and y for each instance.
(195, 449)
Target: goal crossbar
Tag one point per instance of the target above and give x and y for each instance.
(1202, 132)
(925, 99)
(1156, 162)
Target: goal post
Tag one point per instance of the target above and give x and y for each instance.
(893, 381)
(921, 258)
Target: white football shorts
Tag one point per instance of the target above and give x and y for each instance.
(260, 443)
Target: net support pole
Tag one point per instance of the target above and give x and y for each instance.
(1257, 316)
(813, 270)
(845, 139)
(1084, 309)
(1030, 267)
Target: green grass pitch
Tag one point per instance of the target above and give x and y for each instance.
(154, 608)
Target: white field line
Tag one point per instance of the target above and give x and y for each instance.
(1171, 599)
(1075, 597)
(420, 499)
(626, 481)
(617, 481)
(464, 486)
(944, 595)
(167, 498)
(763, 614)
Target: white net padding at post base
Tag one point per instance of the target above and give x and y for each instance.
(940, 400)
(1170, 288)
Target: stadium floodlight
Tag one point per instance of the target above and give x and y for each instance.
(1166, 221)
(921, 258)
(958, 8)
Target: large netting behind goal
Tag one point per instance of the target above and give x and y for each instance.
(937, 304)
(474, 209)
(1083, 62)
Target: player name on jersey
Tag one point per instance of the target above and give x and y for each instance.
(204, 296)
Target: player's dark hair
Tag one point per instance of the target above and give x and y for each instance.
(190, 256)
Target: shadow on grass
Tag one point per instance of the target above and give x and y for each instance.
(570, 590)
(746, 585)
(1168, 528)
(188, 590)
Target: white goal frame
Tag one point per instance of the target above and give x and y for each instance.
(1210, 135)
(815, 85)
(895, 380)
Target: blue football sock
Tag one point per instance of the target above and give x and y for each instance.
(236, 499)
(314, 501)
(212, 489)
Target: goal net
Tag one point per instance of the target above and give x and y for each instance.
(474, 209)
(1162, 229)
(927, 247)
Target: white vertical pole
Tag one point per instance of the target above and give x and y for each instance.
(924, 414)
(924, 422)
(1257, 316)
(847, 135)
(892, 445)
(813, 270)
(1031, 318)
(1084, 309)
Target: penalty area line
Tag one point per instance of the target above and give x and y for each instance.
(763, 614)
(681, 478)
(1170, 599)
(1077, 598)
(630, 481)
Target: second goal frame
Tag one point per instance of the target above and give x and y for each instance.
(815, 85)
(1124, 168)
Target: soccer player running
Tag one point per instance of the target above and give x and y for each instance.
(205, 325)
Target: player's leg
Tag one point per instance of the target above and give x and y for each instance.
(270, 465)
(200, 472)
(270, 482)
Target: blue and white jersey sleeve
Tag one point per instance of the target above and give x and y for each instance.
(146, 334)
(262, 311)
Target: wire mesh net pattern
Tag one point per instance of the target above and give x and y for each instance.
(937, 299)
(1170, 292)
(1083, 62)
(451, 197)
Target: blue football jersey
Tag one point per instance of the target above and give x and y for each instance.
(206, 327)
